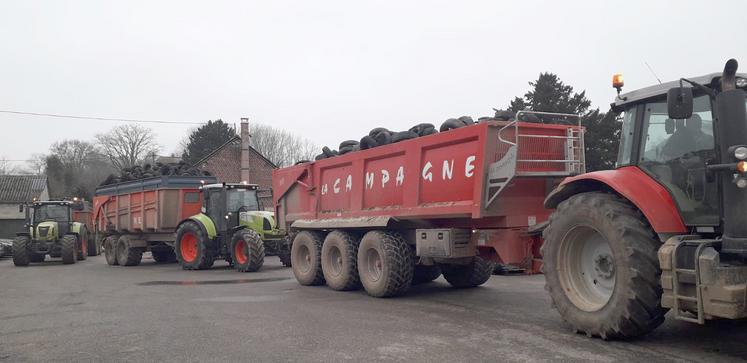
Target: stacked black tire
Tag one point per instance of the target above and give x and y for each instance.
(145, 171)
(382, 262)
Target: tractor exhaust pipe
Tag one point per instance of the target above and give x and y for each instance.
(732, 132)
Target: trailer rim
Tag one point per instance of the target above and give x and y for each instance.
(589, 279)
(374, 264)
(304, 260)
(188, 247)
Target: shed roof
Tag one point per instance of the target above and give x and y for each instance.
(21, 188)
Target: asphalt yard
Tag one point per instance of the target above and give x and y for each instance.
(157, 312)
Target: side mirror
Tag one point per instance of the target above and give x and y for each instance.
(680, 102)
(20, 208)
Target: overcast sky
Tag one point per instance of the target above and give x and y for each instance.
(331, 70)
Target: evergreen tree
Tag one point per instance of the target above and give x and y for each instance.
(549, 94)
(205, 139)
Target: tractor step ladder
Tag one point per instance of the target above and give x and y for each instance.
(679, 314)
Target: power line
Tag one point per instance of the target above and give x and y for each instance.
(100, 118)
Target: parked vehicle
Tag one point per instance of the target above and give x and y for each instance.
(403, 213)
(189, 219)
(667, 228)
(52, 230)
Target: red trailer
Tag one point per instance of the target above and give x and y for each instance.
(446, 203)
(133, 217)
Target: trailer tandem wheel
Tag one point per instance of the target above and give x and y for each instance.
(339, 261)
(306, 258)
(385, 263)
(110, 253)
(473, 274)
(126, 254)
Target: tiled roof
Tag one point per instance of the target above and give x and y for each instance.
(21, 188)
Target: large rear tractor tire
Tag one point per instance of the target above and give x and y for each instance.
(21, 251)
(247, 251)
(473, 274)
(425, 273)
(94, 246)
(110, 250)
(340, 261)
(306, 258)
(601, 267)
(69, 250)
(191, 247)
(127, 255)
(385, 264)
(164, 255)
(83, 248)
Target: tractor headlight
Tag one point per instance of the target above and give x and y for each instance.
(740, 153)
(226, 216)
(741, 183)
(741, 82)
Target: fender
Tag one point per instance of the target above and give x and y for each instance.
(205, 223)
(650, 197)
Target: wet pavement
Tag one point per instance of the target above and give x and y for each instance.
(155, 312)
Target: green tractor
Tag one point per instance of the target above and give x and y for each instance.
(232, 227)
(51, 230)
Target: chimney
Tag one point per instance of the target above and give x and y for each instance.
(245, 139)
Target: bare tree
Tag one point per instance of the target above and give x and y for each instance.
(6, 167)
(127, 145)
(280, 146)
(37, 164)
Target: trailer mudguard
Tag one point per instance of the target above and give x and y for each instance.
(204, 222)
(630, 182)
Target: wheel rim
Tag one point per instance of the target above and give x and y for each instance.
(240, 252)
(304, 259)
(188, 247)
(586, 268)
(374, 264)
(334, 260)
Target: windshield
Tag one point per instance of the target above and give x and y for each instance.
(237, 198)
(47, 212)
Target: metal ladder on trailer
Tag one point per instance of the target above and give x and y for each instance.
(504, 170)
(694, 273)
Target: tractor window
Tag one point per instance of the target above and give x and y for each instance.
(625, 152)
(675, 153)
(238, 198)
(50, 212)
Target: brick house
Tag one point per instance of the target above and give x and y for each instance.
(236, 161)
(15, 190)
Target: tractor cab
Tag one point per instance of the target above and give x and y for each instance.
(227, 204)
(676, 149)
(50, 217)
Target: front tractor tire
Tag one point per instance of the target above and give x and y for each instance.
(385, 264)
(601, 267)
(247, 251)
(21, 251)
(69, 249)
(306, 258)
(191, 247)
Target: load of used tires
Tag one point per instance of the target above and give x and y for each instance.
(381, 136)
(145, 171)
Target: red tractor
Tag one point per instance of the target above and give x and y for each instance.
(667, 228)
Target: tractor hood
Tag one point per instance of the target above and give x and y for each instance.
(258, 220)
(46, 231)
